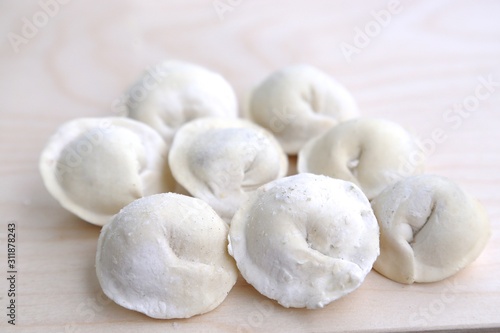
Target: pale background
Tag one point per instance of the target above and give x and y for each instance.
(420, 68)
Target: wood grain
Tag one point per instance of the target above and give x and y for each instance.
(423, 66)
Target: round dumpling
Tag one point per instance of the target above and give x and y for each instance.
(166, 256)
(305, 240)
(96, 166)
(429, 229)
(222, 161)
(175, 92)
(371, 153)
(299, 102)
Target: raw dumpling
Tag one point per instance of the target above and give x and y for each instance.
(305, 240)
(299, 102)
(371, 153)
(96, 166)
(223, 160)
(429, 229)
(175, 92)
(166, 256)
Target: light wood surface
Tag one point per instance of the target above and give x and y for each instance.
(423, 66)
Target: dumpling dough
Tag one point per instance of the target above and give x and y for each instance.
(299, 102)
(96, 166)
(305, 240)
(429, 229)
(223, 160)
(166, 256)
(371, 153)
(180, 92)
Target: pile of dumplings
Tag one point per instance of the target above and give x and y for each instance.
(300, 194)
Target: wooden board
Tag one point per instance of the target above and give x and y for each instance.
(429, 65)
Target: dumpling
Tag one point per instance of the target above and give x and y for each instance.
(299, 102)
(175, 92)
(305, 240)
(96, 166)
(371, 153)
(223, 160)
(166, 256)
(429, 229)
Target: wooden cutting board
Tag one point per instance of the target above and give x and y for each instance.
(432, 66)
